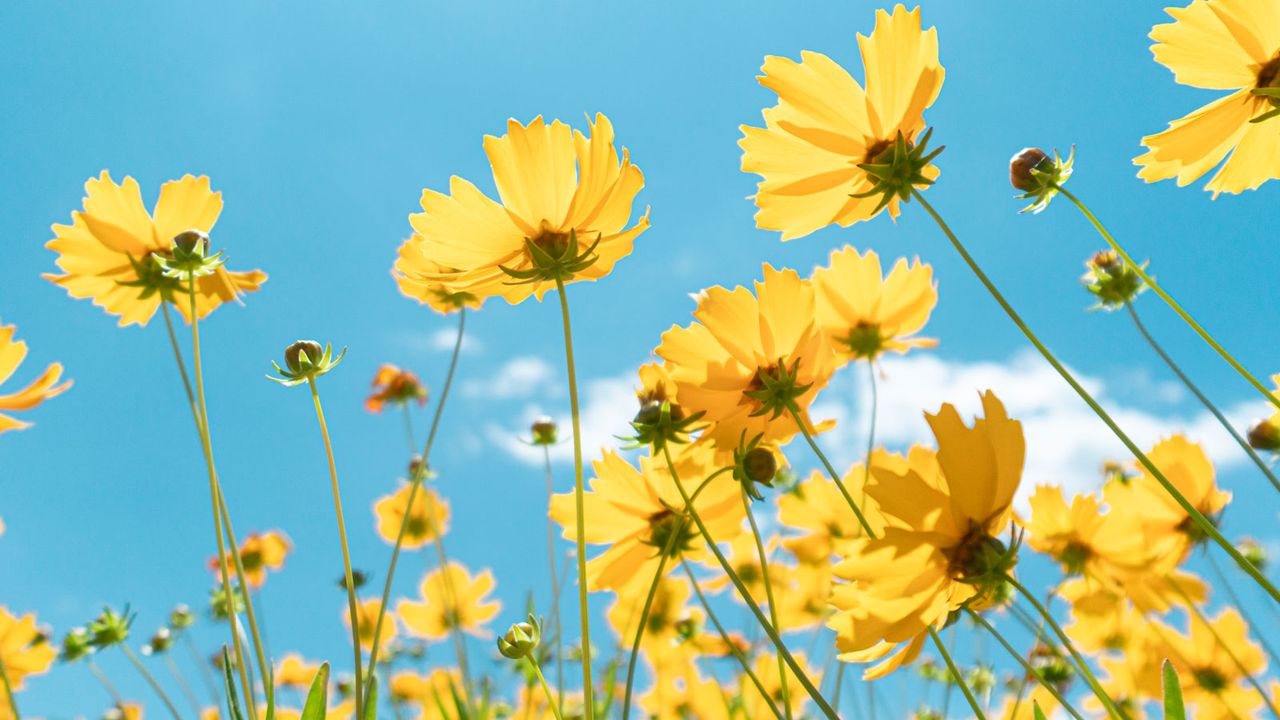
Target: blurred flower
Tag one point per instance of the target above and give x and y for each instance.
(1111, 280)
(864, 314)
(748, 358)
(413, 271)
(766, 668)
(450, 599)
(1220, 45)
(1212, 662)
(259, 552)
(368, 623)
(825, 126)
(108, 252)
(1082, 538)
(566, 199)
(820, 512)
(12, 353)
(395, 386)
(24, 650)
(294, 672)
(428, 519)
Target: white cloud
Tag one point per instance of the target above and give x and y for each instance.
(608, 404)
(520, 377)
(444, 339)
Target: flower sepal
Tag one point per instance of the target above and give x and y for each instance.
(658, 423)
(521, 639)
(554, 256)
(754, 465)
(1039, 177)
(777, 389)
(189, 257)
(305, 360)
(898, 169)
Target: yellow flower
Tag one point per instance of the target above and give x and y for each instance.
(1211, 679)
(412, 272)
(428, 520)
(817, 508)
(940, 549)
(766, 668)
(1110, 616)
(295, 672)
(12, 353)
(661, 642)
(1020, 705)
(724, 364)
(637, 511)
(1082, 538)
(433, 693)
(557, 186)
(367, 611)
(452, 599)
(684, 693)
(259, 553)
(395, 386)
(864, 314)
(1220, 45)
(23, 649)
(825, 125)
(106, 253)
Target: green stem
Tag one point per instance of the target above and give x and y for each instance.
(946, 688)
(8, 691)
(1239, 605)
(553, 703)
(644, 617)
(555, 583)
(728, 641)
(955, 673)
(1198, 614)
(1173, 305)
(768, 593)
(831, 471)
(1202, 522)
(451, 599)
(1089, 677)
(416, 481)
(871, 432)
(746, 595)
(588, 702)
(200, 663)
(106, 683)
(1030, 670)
(215, 493)
(352, 604)
(1204, 400)
(151, 680)
(181, 679)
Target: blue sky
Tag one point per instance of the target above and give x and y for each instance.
(322, 122)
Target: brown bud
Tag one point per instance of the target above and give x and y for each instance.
(1021, 165)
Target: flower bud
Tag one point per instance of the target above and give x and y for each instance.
(1038, 176)
(192, 242)
(110, 628)
(521, 639)
(181, 617)
(1253, 551)
(76, 644)
(760, 465)
(304, 361)
(1112, 281)
(303, 354)
(1265, 436)
(417, 467)
(161, 641)
(1021, 165)
(544, 431)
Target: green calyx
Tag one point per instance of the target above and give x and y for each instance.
(660, 422)
(305, 360)
(1112, 281)
(776, 388)
(152, 278)
(521, 639)
(110, 628)
(1039, 177)
(1268, 89)
(753, 466)
(670, 532)
(863, 341)
(552, 256)
(897, 168)
(189, 257)
(76, 644)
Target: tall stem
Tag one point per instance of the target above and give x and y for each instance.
(1204, 400)
(1030, 670)
(553, 703)
(588, 702)
(106, 683)
(1202, 522)
(416, 481)
(151, 680)
(1173, 304)
(202, 665)
(215, 494)
(955, 673)
(871, 430)
(644, 618)
(555, 583)
(1239, 605)
(831, 471)
(728, 641)
(746, 595)
(451, 601)
(768, 593)
(8, 691)
(352, 604)
(181, 679)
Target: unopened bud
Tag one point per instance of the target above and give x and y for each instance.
(1253, 551)
(303, 354)
(161, 641)
(1021, 165)
(76, 644)
(521, 639)
(1265, 436)
(192, 242)
(544, 431)
(181, 617)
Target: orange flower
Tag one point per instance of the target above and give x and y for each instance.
(259, 553)
(395, 386)
(12, 353)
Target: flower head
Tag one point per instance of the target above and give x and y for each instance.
(566, 201)
(12, 353)
(1038, 176)
(865, 314)
(750, 359)
(829, 146)
(109, 253)
(521, 639)
(414, 273)
(395, 386)
(544, 430)
(259, 552)
(1084, 539)
(305, 360)
(428, 518)
(110, 627)
(451, 598)
(1111, 280)
(1220, 45)
(660, 419)
(24, 651)
(367, 613)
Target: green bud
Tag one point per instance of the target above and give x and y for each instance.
(110, 628)
(1021, 165)
(181, 618)
(1265, 436)
(192, 241)
(305, 360)
(1253, 551)
(1038, 176)
(303, 355)
(161, 641)
(189, 256)
(1111, 280)
(521, 639)
(76, 644)
(544, 431)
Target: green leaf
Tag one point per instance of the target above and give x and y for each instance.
(271, 691)
(1036, 712)
(371, 700)
(233, 703)
(317, 705)
(1173, 707)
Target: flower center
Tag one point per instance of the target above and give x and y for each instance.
(1269, 79)
(553, 242)
(1074, 556)
(416, 526)
(864, 340)
(251, 560)
(669, 533)
(1210, 679)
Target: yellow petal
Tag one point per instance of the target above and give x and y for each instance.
(186, 204)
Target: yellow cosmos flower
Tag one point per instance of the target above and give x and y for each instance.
(428, 520)
(663, 642)
(1211, 679)
(744, 558)
(1220, 45)
(12, 353)
(742, 345)
(450, 599)
(1082, 538)
(259, 552)
(943, 518)
(825, 125)
(637, 512)
(396, 386)
(563, 193)
(23, 649)
(413, 271)
(685, 693)
(820, 512)
(1106, 616)
(295, 672)
(766, 668)
(434, 693)
(106, 253)
(864, 313)
(367, 612)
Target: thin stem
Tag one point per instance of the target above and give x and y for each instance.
(1196, 516)
(728, 641)
(8, 691)
(1208, 404)
(106, 683)
(871, 431)
(835, 695)
(151, 680)
(1089, 677)
(1198, 614)
(955, 673)
(199, 662)
(181, 679)
(644, 617)
(408, 427)
(553, 703)
(352, 604)
(555, 583)
(588, 702)
(768, 593)
(417, 480)
(1030, 670)
(746, 595)
(1173, 304)
(831, 471)
(215, 493)
(238, 563)
(946, 689)
(451, 600)
(1239, 605)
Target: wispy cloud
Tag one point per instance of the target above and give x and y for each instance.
(520, 377)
